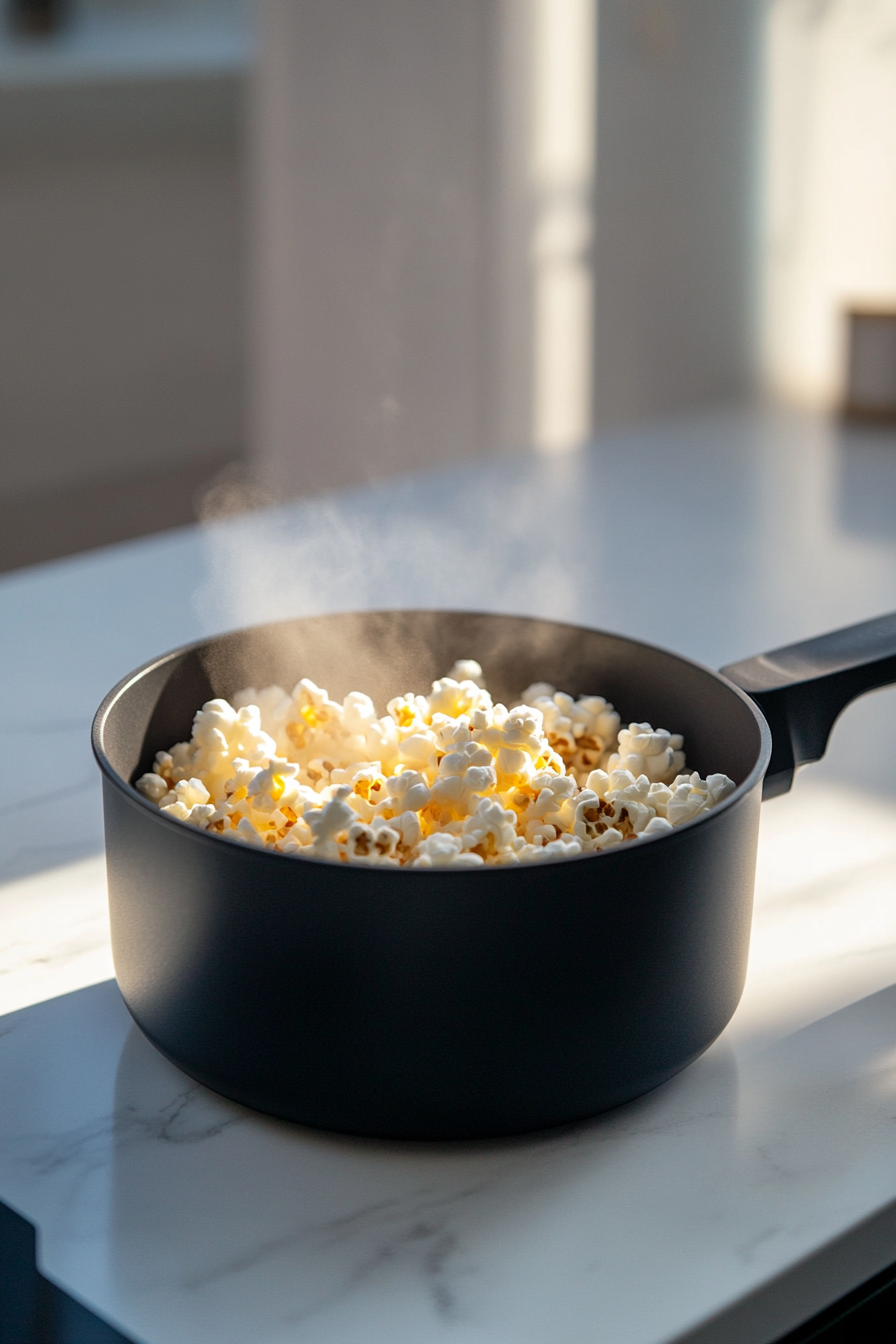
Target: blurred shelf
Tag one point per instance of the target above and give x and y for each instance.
(133, 47)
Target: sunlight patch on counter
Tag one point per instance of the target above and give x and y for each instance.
(54, 933)
(824, 923)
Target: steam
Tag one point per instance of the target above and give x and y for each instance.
(233, 491)
(432, 542)
(531, 536)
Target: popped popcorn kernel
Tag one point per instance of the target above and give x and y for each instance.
(152, 786)
(654, 753)
(444, 780)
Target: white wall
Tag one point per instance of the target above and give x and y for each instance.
(121, 343)
(675, 253)
(437, 269)
(422, 192)
(829, 237)
(430, 274)
(371, 138)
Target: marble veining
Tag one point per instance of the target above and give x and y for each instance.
(208, 1222)
(181, 1120)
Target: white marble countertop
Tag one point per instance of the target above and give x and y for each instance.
(728, 1205)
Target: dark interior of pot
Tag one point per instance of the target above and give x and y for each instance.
(389, 653)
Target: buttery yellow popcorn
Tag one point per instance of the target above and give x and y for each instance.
(447, 779)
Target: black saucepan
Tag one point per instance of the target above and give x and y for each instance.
(454, 1003)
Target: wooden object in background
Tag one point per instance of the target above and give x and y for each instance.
(870, 392)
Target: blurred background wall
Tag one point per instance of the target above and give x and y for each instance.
(297, 244)
(122, 343)
(495, 223)
(373, 167)
(678, 98)
(119, 265)
(829, 187)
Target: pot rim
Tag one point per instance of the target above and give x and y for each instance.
(752, 780)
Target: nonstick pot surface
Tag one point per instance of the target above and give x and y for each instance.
(431, 1004)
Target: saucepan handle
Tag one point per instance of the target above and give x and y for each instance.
(802, 689)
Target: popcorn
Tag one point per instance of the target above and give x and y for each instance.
(467, 669)
(582, 732)
(191, 791)
(564, 847)
(369, 844)
(645, 751)
(691, 796)
(540, 832)
(409, 829)
(491, 830)
(326, 823)
(188, 801)
(444, 850)
(445, 780)
(408, 711)
(719, 787)
(418, 750)
(152, 786)
(407, 792)
(275, 784)
(470, 756)
(453, 698)
(600, 822)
